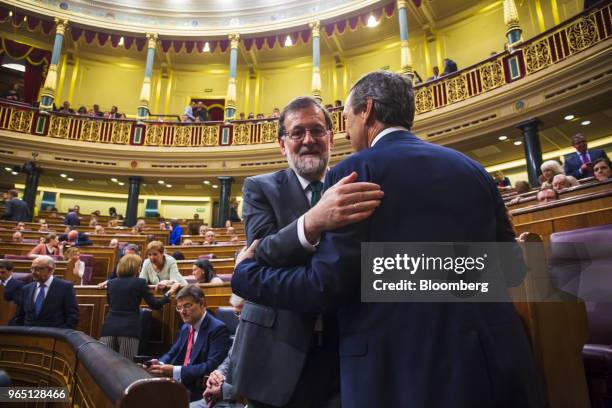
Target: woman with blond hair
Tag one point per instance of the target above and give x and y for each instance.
(121, 328)
(75, 269)
(160, 269)
(550, 169)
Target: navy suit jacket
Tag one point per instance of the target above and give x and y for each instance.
(12, 293)
(572, 163)
(209, 350)
(60, 308)
(411, 354)
(17, 210)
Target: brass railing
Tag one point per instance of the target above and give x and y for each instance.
(569, 38)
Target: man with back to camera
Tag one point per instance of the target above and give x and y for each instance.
(16, 209)
(303, 371)
(406, 354)
(12, 285)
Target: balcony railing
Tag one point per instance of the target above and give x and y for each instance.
(577, 34)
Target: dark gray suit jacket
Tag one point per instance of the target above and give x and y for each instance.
(271, 346)
(17, 210)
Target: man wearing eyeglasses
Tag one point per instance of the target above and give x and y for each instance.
(48, 301)
(202, 344)
(281, 209)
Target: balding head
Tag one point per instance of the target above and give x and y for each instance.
(73, 236)
(17, 237)
(42, 268)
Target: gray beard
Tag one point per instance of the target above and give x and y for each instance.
(310, 167)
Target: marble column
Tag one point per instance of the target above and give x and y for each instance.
(406, 57)
(47, 96)
(230, 99)
(145, 92)
(533, 150)
(316, 60)
(225, 193)
(131, 213)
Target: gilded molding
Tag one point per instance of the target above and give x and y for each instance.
(60, 26)
(51, 81)
(402, 4)
(316, 28)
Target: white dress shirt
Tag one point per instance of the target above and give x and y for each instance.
(300, 225)
(47, 286)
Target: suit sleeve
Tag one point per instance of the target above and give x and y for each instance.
(145, 293)
(8, 210)
(567, 168)
(20, 315)
(217, 351)
(71, 308)
(174, 350)
(277, 247)
(331, 279)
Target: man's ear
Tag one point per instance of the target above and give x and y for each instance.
(281, 144)
(367, 115)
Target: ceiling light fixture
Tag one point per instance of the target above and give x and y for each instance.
(10, 13)
(114, 180)
(161, 182)
(70, 179)
(569, 117)
(215, 186)
(63, 175)
(503, 138)
(518, 143)
(121, 183)
(206, 47)
(585, 122)
(372, 22)
(206, 182)
(8, 169)
(168, 185)
(121, 41)
(288, 42)
(14, 173)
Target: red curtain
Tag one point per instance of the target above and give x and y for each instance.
(36, 62)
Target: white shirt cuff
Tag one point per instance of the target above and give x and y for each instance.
(302, 236)
(176, 373)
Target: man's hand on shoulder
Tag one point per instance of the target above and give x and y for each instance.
(346, 202)
(247, 252)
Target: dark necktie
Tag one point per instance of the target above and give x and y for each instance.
(38, 303)
(585, 158)
(315, 188)
(189, 346)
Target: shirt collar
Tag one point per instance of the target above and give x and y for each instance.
(305, 183)
(7, 281)
(47, 282)
(196, 327)
(386, 132)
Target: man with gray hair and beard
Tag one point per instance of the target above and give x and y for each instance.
(281, 209)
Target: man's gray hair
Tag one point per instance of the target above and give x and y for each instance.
(236, 300)
(192, 291)
(299, 103)
(391, 94)
(50, 261)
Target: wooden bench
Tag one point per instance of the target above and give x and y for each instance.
(563, 215)
(221, 265)
(529, 199)
(192, 252)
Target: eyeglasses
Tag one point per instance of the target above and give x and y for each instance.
(38, 268)
(300, 133)
(186, 307)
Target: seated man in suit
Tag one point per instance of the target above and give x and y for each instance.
(48, 301)
(12, 286)
(202, 344)
(220, 393)
(580, 164)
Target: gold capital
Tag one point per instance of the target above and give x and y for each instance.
(511, 18)
(402, 4)
(151, 40)
(316, 28)
(234, 39)
(60, 26)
